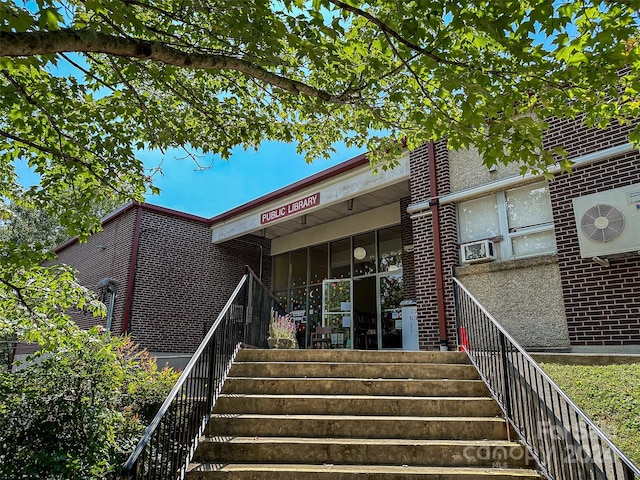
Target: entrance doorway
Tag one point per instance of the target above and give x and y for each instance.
(365, 314)
(337, 311)
(352, 285)
(391, 311)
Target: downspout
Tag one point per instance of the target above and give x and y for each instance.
(132, 271)
(434, 204)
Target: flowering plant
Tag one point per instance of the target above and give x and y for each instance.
(281, 326)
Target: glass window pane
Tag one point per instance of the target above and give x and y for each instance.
(281, 272)
(298, 311)
(315, 302)
(341, 258)
(528, 206)
(390, 249)
(298, 299)
(390, 298)
(364, 254)
(390, 292)
(313, 318)
(281, 298)
(299, 268)
(478, 219)
(337, 312)
(337, 296)
(318, 259)
(534, 243)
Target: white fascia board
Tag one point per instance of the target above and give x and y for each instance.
(341, 188)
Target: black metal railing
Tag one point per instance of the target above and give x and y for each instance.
(169, 442)
(562, 440)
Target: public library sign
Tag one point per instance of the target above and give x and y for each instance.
(290, 208)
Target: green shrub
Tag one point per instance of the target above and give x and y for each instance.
(78, 412)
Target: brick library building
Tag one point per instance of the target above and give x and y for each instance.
(556, 262)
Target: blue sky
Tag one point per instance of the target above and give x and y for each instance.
(227, 184)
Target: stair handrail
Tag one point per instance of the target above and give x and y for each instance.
(561, 438)
(169, 442)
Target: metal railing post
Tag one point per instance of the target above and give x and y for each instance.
(246, 307)
(211, 372)
(456, 306)
(505, 375)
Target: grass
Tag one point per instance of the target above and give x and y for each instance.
(609, 395)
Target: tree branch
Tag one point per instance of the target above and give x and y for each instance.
(87, 72)
(53, 151)
(193, 100)
(18, 292)
(21, 44)
(391, 32)
(386, 29)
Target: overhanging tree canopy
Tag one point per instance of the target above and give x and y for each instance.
(85, 84)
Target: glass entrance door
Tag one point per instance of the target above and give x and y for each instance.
(391, 311)
(337, 311)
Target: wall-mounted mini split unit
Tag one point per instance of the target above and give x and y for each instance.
(608, 222)
(476, 252)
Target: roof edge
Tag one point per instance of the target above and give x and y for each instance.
(131, 205)
(342, 167)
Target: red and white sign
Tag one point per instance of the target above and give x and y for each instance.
(290, 208)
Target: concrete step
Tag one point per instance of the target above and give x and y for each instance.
(358, 405)
(244, 471)
(362, 426)
(351, 356)
(354, 451)
(351, 370)
(356, 386)
(347, 415)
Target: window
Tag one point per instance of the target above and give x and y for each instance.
(390, 249)
(281, 272)
(364, 254)
(341, 258)
(530, 220)
(299, 268)
(318, 263)
(520, 218)
(478, 219)
(298, 275)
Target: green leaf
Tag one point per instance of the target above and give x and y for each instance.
(49, 19)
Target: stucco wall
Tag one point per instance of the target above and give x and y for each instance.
(467, 171)
(525, 296)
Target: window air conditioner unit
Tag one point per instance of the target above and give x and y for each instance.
(608, 223)
(476, 252)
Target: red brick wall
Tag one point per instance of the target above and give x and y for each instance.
(105, 254)
(425, 277)
(602, 304)
(182, 280)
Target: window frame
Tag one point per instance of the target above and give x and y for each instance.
(504, 240)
